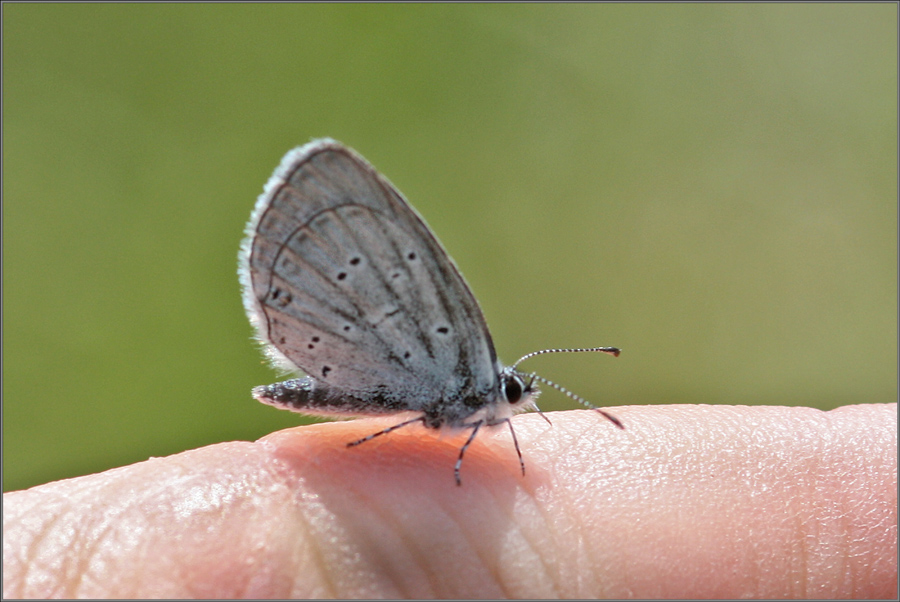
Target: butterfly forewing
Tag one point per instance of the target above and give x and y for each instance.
(349, 285)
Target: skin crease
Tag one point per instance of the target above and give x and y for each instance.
(686, 502)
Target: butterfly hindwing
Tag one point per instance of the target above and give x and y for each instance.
(347, 283)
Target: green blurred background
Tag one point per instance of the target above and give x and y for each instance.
(712, 188)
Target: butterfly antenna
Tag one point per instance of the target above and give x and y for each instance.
(544, 416)
(534, 405)
(614, 351)
(578, 398)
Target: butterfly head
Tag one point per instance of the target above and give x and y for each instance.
(518, 389)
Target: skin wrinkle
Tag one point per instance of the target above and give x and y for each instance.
(35, 568)
(304, 518)
(801, 556)
(513, 549)
(32, 553)
(93, 536)
(90, 553)
(490, 552)
(550, 557)
(426, 577)
(244, 491)
(486, 560)
(514, 529)
(420, 548)
(140, 511)
(455, 519)
(747, 476)
(661, 517)
(406, 549)
(751, 475)
(459, 528)
(540, 493)
(349, 532)
(619, 469)
(817, 521)
(464, 533)
(81, 539)
(89, 537)
(838, 549)
(525, 495)
(581, 554)
(435, 573)
(849, 539)
(47, 529)
(267, 483)
(789, 469)
(455, 523)
(550, 514)
(817, 532)
(316, 552)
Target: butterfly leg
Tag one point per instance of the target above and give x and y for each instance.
(544, 416)
(516, 441)
(476, 426)
(612, 418)
(462, 450)
(386, 431)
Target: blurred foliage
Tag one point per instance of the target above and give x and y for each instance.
(711, 187)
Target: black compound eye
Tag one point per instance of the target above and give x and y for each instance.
(513, 389)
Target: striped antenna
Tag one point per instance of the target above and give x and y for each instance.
(577, 398)
(614, 351)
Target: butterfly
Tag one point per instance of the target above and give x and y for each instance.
(344, 281)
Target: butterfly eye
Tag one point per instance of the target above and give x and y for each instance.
(513, 387)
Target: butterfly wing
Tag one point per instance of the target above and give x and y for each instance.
(345, 281)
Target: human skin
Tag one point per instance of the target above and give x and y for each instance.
(686, 502)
